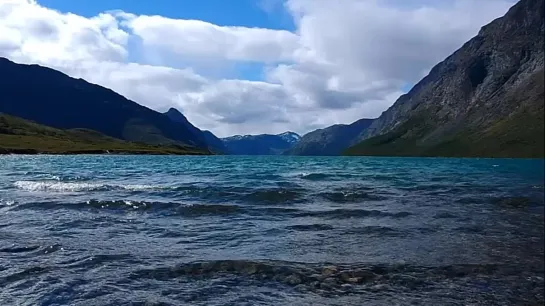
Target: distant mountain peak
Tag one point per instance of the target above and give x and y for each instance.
(262, 144)
(290, 137)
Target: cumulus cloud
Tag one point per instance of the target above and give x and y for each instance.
(200, 39)
(346, 60)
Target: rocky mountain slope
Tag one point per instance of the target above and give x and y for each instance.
(213, 143)
(52, 98)
(486, 99)
(264, 144)
(330, 141)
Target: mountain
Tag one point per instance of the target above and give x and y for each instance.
(290, 137)
(330, 141)
(212, 142)
(486, 99)
(22, 136)
(264, 144)
(52, 98)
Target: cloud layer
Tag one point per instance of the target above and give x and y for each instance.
(346, 60)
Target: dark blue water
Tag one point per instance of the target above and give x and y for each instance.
(224, 230)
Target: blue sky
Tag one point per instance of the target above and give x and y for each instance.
(249, 13)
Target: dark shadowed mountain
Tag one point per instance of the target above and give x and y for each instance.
(18, 135)
(330, 141)
(213, 143)
(486, 99)
(264, 144)
(52, 98)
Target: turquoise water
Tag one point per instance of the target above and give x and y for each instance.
(227, 230)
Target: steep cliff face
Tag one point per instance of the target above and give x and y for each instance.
(486, 99)
(329, 141)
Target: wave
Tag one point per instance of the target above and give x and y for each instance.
(353, 213)
(310, 227)
(274, 195)
(380, 231)
(315, 176)
(319, 176)
(350, 196)
(195, 210)
(19, 249)
(58, 186)
(70, 178)
(4, 202)
(168, 208)
(218, 193)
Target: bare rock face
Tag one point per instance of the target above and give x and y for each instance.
(486, 99)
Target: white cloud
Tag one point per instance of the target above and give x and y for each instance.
(346, 60)
(200, 39)
(368, 49)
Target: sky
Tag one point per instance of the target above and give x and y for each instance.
(247, 66)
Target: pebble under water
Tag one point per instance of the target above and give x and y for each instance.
(232, 230)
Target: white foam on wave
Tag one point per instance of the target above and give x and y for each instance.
(7, 202)
(57, 186)
(140, 187)
(295, 174)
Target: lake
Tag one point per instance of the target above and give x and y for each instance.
(236, 230)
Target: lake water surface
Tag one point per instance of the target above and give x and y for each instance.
(228, 230)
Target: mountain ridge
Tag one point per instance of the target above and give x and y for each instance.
(261, 144)
(469, 103)
(52, 98)
(20, 136)
(212, 142)
(329, 141)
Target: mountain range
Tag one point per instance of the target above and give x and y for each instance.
(332, 140)
(264, 144)
(486, 99)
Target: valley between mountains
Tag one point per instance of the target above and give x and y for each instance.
(484, 100)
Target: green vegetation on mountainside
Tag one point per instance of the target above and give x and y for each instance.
(22, 136)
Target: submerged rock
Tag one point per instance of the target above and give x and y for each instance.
(329, 270)
(293, 280)
(515, 202)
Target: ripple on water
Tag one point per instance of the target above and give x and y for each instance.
(197, 210)
(310, 227)
(225, 230)
(348, 196)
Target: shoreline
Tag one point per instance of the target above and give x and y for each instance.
(4, 151)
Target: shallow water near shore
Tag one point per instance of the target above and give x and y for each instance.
(233, 230)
